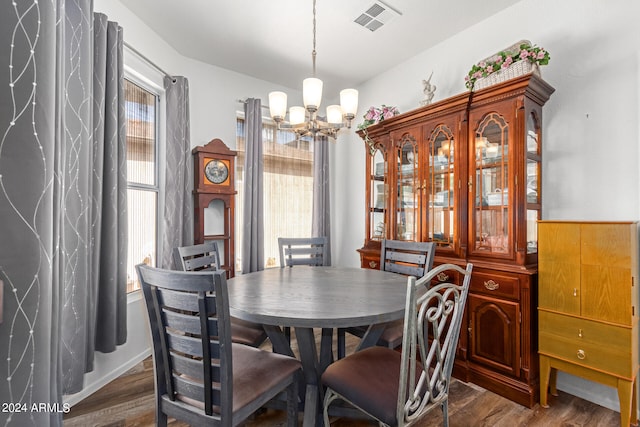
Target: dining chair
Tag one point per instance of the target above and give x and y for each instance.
(206, 257)
(201, 377)
(312, 251)
(397, 388)
(303, 251)
(396, 256)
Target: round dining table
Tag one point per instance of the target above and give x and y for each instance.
(327, 298)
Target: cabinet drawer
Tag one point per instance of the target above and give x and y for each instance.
(495, 284)
(587, 343)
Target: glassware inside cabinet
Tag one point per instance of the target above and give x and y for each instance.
(379, 193)
(408, 186)
(491, 211)
(533, 198)
(440, 187)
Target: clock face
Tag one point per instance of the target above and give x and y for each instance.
(216, 171)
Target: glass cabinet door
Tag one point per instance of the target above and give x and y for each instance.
(440, 187)
(490, 170)
(407, 203)
(379, 194)
(533, 198)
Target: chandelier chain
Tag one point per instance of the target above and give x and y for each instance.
(313, 52)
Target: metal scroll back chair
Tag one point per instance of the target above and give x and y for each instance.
(408, 258)
(399, 388)
(303, 251)
(206, 257)
(201, 377)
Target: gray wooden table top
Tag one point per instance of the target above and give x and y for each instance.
(318, 297)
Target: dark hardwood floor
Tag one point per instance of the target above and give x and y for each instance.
(128, 401)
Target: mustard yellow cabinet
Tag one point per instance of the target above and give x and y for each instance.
(588, 306)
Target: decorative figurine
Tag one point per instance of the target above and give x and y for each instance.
(428, 89)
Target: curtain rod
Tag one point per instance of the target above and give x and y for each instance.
(150, 62)
(244, 101)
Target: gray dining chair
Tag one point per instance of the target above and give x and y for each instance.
(402, 257)
(201, 377)
(303, 251)
(206, 257)
(312, 251)
(400, 388)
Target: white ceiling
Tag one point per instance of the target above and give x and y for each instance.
(272, 39)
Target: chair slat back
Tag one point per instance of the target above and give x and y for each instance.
(408, 258)
(303, 251)
(191, 332)
(431, 331)
(204, 256)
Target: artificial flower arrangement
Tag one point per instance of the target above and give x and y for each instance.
(377, 114)
(504, 59)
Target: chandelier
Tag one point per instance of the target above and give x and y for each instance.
(305, 120)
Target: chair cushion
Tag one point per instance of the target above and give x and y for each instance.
(392, 335)
(244, 333)
(255, 372)
(369, 379)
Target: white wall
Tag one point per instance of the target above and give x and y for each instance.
(213, 105)
(591, 122)
(591, 126)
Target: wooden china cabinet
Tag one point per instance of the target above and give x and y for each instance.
(465, 173)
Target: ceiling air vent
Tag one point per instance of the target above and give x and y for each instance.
(376, 16)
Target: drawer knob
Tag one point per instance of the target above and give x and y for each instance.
(491, 285)
(373, 264)
(443, 277)
(575, 292)
(581, 355)
(580, 333)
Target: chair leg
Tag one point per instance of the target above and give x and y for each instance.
(161, 419)
(292, 404)
(445, 413)
(342, 343)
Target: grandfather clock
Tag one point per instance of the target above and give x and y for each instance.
(214, 173)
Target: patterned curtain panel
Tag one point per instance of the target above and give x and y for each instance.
(62, 201)
(253, 214)
(321, 214)
(178, 205)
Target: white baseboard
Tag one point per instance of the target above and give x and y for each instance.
(96, 383)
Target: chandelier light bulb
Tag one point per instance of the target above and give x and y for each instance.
(296, 115)
(312, 93)
(334, 114)
(349, 102)
(277, 105)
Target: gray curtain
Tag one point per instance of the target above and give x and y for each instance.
(321, 213)
(252, 222)
(62, 200)
(178, 204)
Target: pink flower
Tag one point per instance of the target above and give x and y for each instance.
(508, 60)
(370, 114)
(489, 68)
(541, 54)
(524, 54)
(482, 64)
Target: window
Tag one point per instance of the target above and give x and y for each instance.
(141, 110)
(288, 188)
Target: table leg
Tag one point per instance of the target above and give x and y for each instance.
(371, 337)
(311, 370)
(279, 340)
